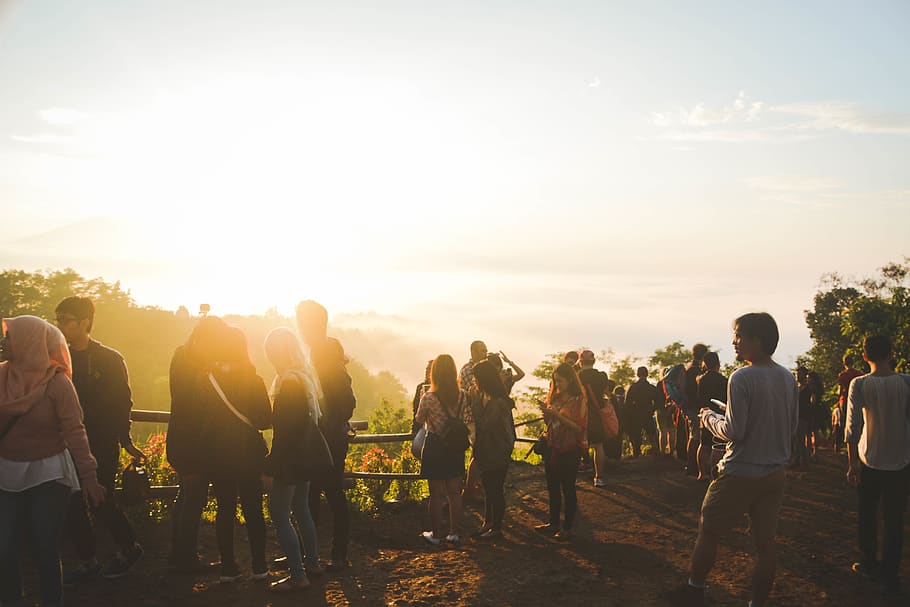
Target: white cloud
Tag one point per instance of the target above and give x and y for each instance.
(792, 183)
(745, 120)
(822, 193)
(58, 116)
(845, 116)
(41, 138)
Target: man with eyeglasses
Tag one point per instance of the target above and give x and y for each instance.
(102, 384)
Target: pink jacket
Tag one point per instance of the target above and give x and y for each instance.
(52, 423)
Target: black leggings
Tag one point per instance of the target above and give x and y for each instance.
(562, 470)
(250, 493)
(495, 500)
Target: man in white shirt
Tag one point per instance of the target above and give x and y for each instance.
(758, 426)
(878, 448)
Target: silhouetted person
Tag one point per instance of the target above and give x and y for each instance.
(102, 383)
(693, 370)
(466, 382)
(595, 382)
(758, 426)
(422, 387)
(711, 385)
(338, 405)
(510, 376)
(847, 375)
(878, 448)
(642, 400)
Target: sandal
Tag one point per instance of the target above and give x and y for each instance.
(289, 584)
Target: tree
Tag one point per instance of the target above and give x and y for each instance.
(673, 354)
(621, 370)
(845, 312)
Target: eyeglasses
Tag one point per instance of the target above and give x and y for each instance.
(64, 318)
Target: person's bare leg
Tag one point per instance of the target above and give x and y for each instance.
(437, 494)
(600, 461)
(763, 576)
(453, 489)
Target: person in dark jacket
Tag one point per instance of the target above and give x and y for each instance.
(493, 444)
(239, 408)
(190, 363)
(711, 385)
(642, 400)
(299, 454)
(338, 405)
(102, 383)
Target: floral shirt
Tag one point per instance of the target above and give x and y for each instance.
(562, 438)
(431, 411)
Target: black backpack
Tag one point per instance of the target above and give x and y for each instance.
(454, 433)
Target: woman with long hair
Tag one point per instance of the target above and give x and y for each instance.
(239, 408)
(493, 444)
(298, 454)
(566, 415)
(44, 452)
(440, 463)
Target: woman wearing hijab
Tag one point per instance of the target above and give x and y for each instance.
(44, 452)
(299, 454)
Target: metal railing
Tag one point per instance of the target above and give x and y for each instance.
(169, 491)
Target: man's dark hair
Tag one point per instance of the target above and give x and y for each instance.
(848, 360)
(760, 326)
(877, 348)
(493, 359)
(698, 351)
(712, 360)
(80, 307)
(642, 372)
(312, 310)
(476, 345)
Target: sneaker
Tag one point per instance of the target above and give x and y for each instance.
(490, 534)
(259, 576)
(121, 563)
(866, 569)
(546, 528)
(453, 538)
(289, 584)
(599, 482)
(430, 538)
(686, 595)
(81, 573)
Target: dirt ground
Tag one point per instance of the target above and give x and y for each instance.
(632, 544)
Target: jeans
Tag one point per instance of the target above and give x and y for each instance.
(38, 513)
(80, 526)
(890, 487)
(282, 499)
(333, 485)
(250, 492)
(494, 500)
(561, 470)
(191, 500)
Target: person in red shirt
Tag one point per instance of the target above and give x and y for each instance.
(844, 378)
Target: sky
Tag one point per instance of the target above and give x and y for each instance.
(541, 175)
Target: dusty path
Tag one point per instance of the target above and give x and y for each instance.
(632, 544)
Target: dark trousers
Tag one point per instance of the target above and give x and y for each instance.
(39, 512)
(191, 500)
(332, 484)
(636, 423)
(562, 470)
(890, 487)
(81, 521)
(249, 490)
(494, 498)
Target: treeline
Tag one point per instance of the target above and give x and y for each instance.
(147, 336)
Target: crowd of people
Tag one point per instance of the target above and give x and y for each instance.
(65, 406)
